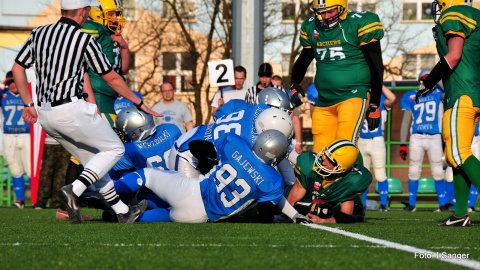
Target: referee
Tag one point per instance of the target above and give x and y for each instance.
(65, 103)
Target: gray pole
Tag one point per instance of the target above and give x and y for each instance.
(247, 47)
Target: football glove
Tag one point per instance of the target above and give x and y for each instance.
(323, 210)
(373, 118)
(421, 92)
(403, 151)
(301, 219)
(296, 94)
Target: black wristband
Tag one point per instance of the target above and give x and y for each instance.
(439, 72)
(139, 104)
(29, 105)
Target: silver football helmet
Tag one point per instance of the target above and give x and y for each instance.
(270, 147)
(423, 72)
(273, 118)
(274, 97)
(135, 125)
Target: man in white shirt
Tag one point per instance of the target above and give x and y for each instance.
(173, 111)
(225, 94)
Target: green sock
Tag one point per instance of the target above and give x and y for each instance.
(462, 191)
(360, 159)
(470, 167)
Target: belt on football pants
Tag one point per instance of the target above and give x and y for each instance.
(65, 101)
(421, 133)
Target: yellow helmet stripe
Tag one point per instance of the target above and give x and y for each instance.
(455, 16)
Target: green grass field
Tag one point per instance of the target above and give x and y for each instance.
(34, 239)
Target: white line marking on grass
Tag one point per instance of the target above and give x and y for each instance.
(426, 253)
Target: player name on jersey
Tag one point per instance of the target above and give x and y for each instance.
(248, 167)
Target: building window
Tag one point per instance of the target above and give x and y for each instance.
(129, 10)
(131, 77)
(185, 8)
(293, 8)
(416, 11)
(357, 6)
(414, 63)
(177, 69)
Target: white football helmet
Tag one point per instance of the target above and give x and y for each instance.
(135, 125)
(271, 147)
(273, 118)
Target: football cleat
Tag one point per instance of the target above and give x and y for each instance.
(456, 221)
(133, 213)
(471, 209)
(409, 208)
(442, 209)
(19, 204)
(70, 202)
(383, 208)
(63, 215)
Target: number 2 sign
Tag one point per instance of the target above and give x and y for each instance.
(221, 73)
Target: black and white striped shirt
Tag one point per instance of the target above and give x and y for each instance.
(61, 54)
(252, 92)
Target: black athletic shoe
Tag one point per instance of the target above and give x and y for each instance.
(442, 209)
(133, 212)
(383, 208)
(456, 221)
(471, 209)
(409, 208)
(40, 205)
(70, 202)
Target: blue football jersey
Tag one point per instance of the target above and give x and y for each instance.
(122, 103)
(427, 117)
(233, 105)
(12, 109)
(240, 122)
(366, 133)
(239, 179)
(152, 152)
(477, 129)
(312, 94)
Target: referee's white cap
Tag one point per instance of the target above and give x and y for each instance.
(76, 4)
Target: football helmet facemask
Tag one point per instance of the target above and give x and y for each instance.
(273, 118)
(342, 154)
(270, 147)
(440, 5)
(274, 97)
(320, 7)
(109, 14)
(136, 125)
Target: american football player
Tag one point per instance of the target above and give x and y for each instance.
(427, 112)
(458, 43)
(346, 47)
(372, 146)
(332, 176)
(244, 174)
(105, 24)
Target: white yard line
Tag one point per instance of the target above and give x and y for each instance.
(418, 252)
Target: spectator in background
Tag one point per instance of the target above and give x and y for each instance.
(226, 94)
(277, 82)
(265, 73)
(372, 146)
(425, 137)
(173, 111)
(16, 140)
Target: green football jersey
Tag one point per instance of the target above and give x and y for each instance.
(342, 71)
(104, 94)
(346, 188)
(465, 80)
